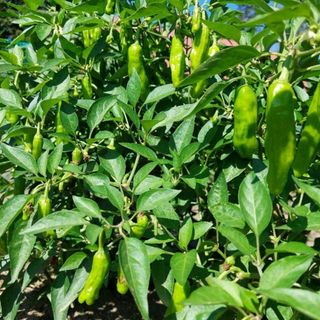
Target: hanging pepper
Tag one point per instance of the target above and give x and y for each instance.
(310, 137)
(86, 87)
(76, 156)
(109, 6)
(196, 18)
(140, 227)
(135, 62)
(59, 125)
(177, 60)
(245, 122)
(122, 285)
(99, 270)
(86, 38)
(124, 36)
(37, 143)
(280, 133)
(198, 54)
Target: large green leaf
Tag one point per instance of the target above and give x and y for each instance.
(135, 264)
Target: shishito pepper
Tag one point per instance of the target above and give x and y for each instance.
(99, 270)
(59, 126)
(196, 18)
(280, 134)
(310, 137)
(198, 54)
(11, 117)
(110, 6)
(177, 60)
(135, 62)
(245, 122)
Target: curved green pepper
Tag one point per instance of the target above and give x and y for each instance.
(94, 282)
(135, 62)
(310, 137)
(198, 54)
(280, 134)
(245, 122)
(109, 6)
(177, 60)
(140, 227)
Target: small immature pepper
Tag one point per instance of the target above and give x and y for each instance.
(122, 285)
(99, 270)
(109, 6)
(11, 117)
(76, 156)
(196, 18)
(245, 122)
(140, 227)
(37, 143)
(135, 62)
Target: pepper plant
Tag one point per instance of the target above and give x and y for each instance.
(166, 146)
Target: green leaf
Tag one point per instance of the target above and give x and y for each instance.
(87, 206)
(160, 93)
(73, 262)
(148, 183)
(55, 158)
(10, 98)
(99, 109)
(286, 13)
(10, 210)
(154, 198)
(144, 151)
(182, 136)
(220, 62)
(311, 191)
(20, 248)
(255, 203)
(43, 163)
(229, 214)
(182, 265)
(288, 271)
(186, 233)
(237, 238)
(113, 162)
(134, 88)
(20, 158)
(218, 193)
(304, 301)
(135, 264)
(294, 247)
(226, 30)
(201, 228)
(58, 220)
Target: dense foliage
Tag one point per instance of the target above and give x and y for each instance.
(162, 145)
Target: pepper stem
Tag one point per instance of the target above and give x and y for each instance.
(101, 239)
(285, 72)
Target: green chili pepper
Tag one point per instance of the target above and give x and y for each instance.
(76, 156)
(86, 38)
(109, 6)
(140, 227)
(59, 125)
(196, 18)
(94, 282)
(177, 60)
(86, 87)
(180, 293)
(37, 143)
(124, 39)
(280, 134)
(310, 137)
(135, 62)
(11, 117)
(245, 122)
(199, 53)
(122, 285)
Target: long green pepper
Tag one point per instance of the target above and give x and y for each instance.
(135, 62)
(37, 143)
(177, 60)
(245, 122)
(280, 139)
(310, 137)
(99, 270)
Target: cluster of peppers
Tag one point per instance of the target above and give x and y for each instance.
(280, 140)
